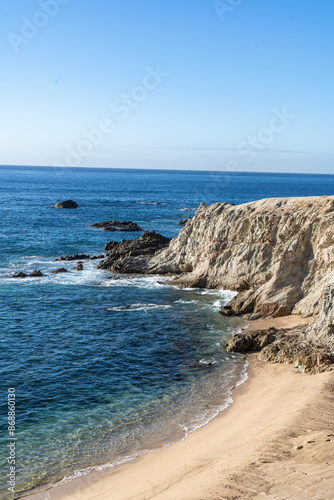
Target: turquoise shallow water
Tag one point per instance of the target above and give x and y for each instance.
(107, 369)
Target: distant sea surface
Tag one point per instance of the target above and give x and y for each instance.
(105, 370)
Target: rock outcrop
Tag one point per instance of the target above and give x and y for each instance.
(131, 256)
(277, 253)
(76, 256)
(66, 204)
(59, 271)
(251, 341)
(114, 225)
(36, 274)
(285, 346)
(20, 275)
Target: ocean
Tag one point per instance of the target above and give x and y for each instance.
(106, 368)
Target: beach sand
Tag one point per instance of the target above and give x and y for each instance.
(275, 441)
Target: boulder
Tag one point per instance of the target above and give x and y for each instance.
(78, 267)
(251, 341)
(20, 275)
(59, 271)
(66, 204)
(36, 274)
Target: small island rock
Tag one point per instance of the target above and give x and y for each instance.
(66, 204)
(36, 274)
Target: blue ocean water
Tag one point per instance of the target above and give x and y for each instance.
(107, 369)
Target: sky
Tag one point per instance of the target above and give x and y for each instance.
(180, 84)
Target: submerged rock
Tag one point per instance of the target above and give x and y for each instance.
(130, 256)
(114, 225)
(66, 204)
(59, 271)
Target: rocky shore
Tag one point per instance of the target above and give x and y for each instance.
(277, 253)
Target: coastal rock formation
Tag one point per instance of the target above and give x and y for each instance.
(59, 271)
(36, 274)
(66, 204)
(78, 267)
(114, 225)
(277, 253)
(76, 256)
(130, 256)
(251, 341)
(284, 346)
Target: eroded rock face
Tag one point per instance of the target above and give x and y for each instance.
(130, 256)
(114, 225)
(66, 204)
(277, 253)
(322, 330)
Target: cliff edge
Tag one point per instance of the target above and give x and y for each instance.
(277, 253)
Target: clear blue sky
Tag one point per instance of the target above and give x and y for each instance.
(236, 84)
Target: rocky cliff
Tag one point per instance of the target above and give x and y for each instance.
(277, 253)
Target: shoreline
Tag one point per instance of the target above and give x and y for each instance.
(253, 435)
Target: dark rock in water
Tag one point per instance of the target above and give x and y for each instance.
(67, 204)
(58, 271)
(95, 257)
(126, 256)
(183, 222)
(36, 274)
(251, 341)
(19, 275)
(79, 267)
(114, 225)
(73, 257)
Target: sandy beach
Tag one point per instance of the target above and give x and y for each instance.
(275, 441)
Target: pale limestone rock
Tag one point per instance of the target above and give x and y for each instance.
(322, 330)
(278, 252)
